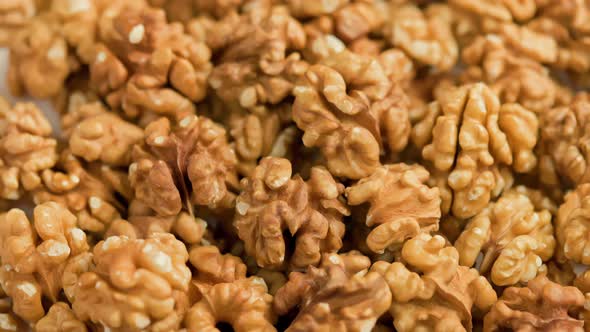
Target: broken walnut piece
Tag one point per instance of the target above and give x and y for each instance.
(541, 305)
(14, 16)
(225, 295)
(505, 10)
(401, 204)
(96, 134)
(181, 164)
(441, 294)
(60, 318)
(273, 202)
(514, 237)
(572, 225)
(35, 254)
(138, 284)
(26, 148)
(338, 295)
(468, 135)
(348, 108)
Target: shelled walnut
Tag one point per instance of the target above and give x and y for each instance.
(273, 202)
(514, 236)
(571, 226)
(441, 294)
(34, 255)
(468, 135)
(402, 206)
(339, 295)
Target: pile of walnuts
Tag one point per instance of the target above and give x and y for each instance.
(298, 165)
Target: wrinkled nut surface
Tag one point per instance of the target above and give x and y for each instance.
(402, 206)
(338, 295)
(60, 318)
(96, 134)
(349, 109)
(14, 15)
(441, 295)
(571, 227)
(134, 284)
(26, 148)
(273, 202)
(35, 254)
(542, 305)
(181, 164)
(514, 237)
(467, 134)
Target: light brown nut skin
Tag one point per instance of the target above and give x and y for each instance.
(401, 204)
(96, 134)
(514, 237)
(60, 318)
(571, 226)
(34, 255)
(506, 10)
(132, 285)
(472, 137)
(26, 148)
(273, 202)
(441, 295)
(541, 306)
(14, 15)
(425, 36)
(196, 149)
(346, 107)
(213, 267)
(339, 295)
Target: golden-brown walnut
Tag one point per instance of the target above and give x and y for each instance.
(565, 138)
(131, 285)
(39, 58)
(273, 202)
(468, 135)
(504, 10)
(34, 255)
(14, 16)
(257, 65)
(310, 8)
(572, 226)
(514, 237)
(26, 148)
(425, 36)
(348, 107)
(145, 64)
(225, 295)
(96, 134)
(402, 206)
(90, 193)
(182, 164)
(9, 322)
(244, 304)
(189, 229)
(339, 295)
(60, 318)
(541, 306)
(357, 20)
(441, 295)
(511, 67)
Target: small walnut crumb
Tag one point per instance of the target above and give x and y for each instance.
(34, 255)
(402, 206)
(339, 295)
(60, 318)
(542, 305)
(468, 136)
(139, 284)
(273, 202)
(195, 149)
(514, 237)
(441, 295)
(26, 148)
